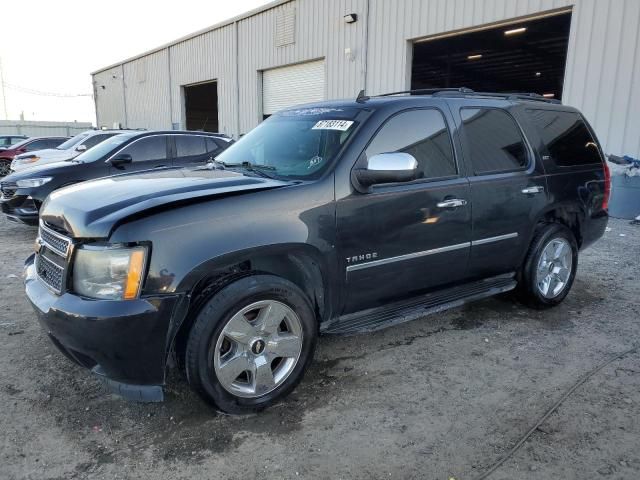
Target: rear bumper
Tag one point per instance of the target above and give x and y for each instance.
(124, 343)
(21, 208)
(594, 228)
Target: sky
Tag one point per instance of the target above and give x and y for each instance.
(49, 48)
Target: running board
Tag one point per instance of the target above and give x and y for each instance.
(407, 310)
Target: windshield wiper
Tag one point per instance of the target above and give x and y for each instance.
(259, 169)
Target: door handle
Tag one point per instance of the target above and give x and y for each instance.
(453, 203)
(533, 190)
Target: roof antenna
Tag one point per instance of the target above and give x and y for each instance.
(361, 97)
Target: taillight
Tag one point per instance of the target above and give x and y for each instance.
(607, 186)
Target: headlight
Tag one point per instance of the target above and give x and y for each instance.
(33, 182)
(109, 273)
(24, 161)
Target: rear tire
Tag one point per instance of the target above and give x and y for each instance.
(550, 267)
(250, 344)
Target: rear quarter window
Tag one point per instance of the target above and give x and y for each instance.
(566, 137)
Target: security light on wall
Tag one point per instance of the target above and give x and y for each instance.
(351, 18)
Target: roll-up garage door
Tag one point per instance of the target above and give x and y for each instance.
(288, 86)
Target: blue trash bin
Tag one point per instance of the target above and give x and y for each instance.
(625, 197)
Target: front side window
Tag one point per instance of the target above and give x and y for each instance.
(148, 149)
(424, 135)
(566, 137)
(108, 147)
(494, 141)
(295, 144)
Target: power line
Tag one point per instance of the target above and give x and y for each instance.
(32, 91)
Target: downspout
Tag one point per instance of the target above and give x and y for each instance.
(170, 88)
(237, 60)
(366, 45)
(124, 97)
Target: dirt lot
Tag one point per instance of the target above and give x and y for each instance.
(442, 397)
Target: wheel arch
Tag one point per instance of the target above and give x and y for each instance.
(301, 264)
(571, 215)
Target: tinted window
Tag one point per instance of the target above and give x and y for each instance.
(148, 148)
(421, 133)
(188, 146)
(95, 140)
(38, 145)
(73, 141)
(212, 146)
(566, 136)
(494, 140)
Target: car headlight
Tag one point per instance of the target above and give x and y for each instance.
(33, 182)
(24, 161)
(109, 273)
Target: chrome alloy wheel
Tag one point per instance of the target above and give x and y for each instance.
(258, 349)
(554, 267)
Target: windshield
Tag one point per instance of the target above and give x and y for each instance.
(104, 148)
(296, 144)
(72, 142)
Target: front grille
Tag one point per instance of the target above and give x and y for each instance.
(52, 257)
(8, 189)
(54, 241)
(50, 273)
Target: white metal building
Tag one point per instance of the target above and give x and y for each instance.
(230, 76)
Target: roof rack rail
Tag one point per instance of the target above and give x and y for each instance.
(427, 91)
(463, 91)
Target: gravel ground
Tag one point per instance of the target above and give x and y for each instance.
(436, 398)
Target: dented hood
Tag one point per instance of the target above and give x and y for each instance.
(91, 209)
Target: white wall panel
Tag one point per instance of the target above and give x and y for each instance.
(602, 76)
(146, 88)
(109, 97)
(210, 56)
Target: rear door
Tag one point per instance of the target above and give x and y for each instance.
(146, 153)
(403, 239)
(508, 187)
(192, 150)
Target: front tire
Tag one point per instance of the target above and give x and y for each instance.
(5, 167)
(251, 343)
(549, 268)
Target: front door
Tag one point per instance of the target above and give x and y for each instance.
(146, 153)
(399, 240)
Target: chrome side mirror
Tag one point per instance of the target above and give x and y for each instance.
(81, 148)
(393, 167)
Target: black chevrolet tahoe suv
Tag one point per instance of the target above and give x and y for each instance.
(22, 192)
(338, 217)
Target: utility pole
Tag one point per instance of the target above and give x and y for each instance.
(4, 97)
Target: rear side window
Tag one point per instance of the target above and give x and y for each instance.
(566, 136)
(494, 141)
(421, 133)
(189, 146)
(148, 148)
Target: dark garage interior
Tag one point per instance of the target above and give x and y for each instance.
(201, 106)
(528, 56)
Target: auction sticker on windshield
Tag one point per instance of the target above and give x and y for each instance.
(342, 125)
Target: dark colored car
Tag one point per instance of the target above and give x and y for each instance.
(27, 145)
(8, 140)
(337, 217)
(23, 192)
